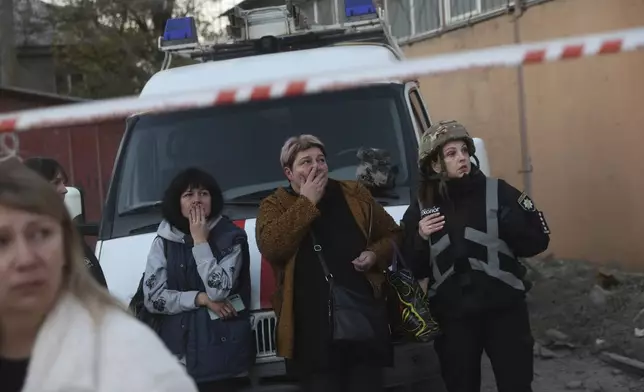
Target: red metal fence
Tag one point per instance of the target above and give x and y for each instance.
(86, 152)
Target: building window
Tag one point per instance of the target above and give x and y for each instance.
(495, 5)
(427, 16)
(411, 18)
(457, 10)
(399, 17)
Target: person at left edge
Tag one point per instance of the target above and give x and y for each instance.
(53, 172)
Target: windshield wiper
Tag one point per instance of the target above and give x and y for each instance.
(151, 228)
(254, 203)
(383, 193)
(252, 198)
(143, 207)
(382, 202)
(383, 196)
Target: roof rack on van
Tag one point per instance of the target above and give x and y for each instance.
(270, 30)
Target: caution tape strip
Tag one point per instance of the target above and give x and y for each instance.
(501, 56)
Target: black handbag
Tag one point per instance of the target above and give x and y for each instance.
(353, 316)
(137, 306)
(138, 309)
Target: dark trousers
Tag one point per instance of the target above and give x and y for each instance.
(505, 336)
(229, 385)
(359, 378)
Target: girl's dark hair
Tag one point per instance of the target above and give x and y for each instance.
(190, 178)
(48, 168)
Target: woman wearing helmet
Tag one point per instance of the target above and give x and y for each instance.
(464, 234)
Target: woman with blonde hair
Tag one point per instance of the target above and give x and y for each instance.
(329, 243)
(59, 330)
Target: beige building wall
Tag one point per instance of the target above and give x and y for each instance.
(585, 123)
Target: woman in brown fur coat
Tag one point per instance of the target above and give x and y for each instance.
(355, 234)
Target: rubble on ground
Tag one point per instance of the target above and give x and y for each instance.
(588, 323)
(578, 305)
(629, 364)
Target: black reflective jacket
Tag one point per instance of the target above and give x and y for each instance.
(520, 225)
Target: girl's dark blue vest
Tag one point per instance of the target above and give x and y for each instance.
(213, 349)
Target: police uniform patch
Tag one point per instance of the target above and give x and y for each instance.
(526, 203)
(544, 225)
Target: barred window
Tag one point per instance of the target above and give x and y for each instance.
(399, 17)
(427, 16)
(456, 10)
(495, 5)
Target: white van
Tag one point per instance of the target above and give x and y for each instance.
(240, 146)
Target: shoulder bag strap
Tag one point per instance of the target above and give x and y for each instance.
(370, 224)
(318, 251)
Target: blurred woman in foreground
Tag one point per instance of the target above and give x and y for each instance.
(59, 330)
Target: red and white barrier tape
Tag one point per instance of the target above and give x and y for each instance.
(502, 56)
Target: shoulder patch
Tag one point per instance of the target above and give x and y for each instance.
(526, 203)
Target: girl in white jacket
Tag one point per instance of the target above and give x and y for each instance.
(59, 330)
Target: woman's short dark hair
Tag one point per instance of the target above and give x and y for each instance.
(48, 168)
(190, 178)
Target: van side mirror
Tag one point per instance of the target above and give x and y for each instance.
(76, 206)
(74, 203)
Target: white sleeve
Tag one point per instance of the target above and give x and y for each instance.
(156, 296)
(219, 276)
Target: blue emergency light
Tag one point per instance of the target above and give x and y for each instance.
(179, 32)
(180, 29)
(359, 8)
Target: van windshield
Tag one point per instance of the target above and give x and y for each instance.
(240, 146)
